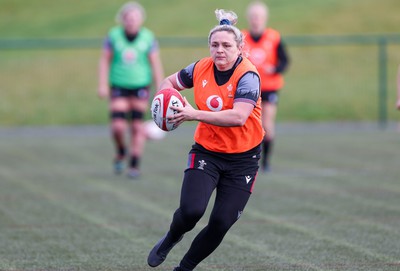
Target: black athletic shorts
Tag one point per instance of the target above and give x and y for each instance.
(141, 93)
(270, 96)
(238, 170)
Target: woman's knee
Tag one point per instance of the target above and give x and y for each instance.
(118, 125)
(192, 212)
(221, 224)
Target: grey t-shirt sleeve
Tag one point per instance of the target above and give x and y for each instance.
(248, 88)
(185, 76)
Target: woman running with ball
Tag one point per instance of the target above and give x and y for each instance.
(227, 143)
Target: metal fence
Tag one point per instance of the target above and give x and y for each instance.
(380, 41)
(377, 51)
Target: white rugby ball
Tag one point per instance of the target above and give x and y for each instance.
(160, 107)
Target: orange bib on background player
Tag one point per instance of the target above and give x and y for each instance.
(211, 97)
(264, 53)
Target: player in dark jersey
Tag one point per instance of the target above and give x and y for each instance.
(224, 157)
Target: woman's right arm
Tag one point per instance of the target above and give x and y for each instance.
(180, 80)
(170, 82)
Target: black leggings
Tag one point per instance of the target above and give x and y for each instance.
(196, 191)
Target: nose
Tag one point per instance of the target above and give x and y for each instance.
(220, 48)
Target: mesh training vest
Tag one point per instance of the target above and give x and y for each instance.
(264, 53)
(211, 97)
(130, 67)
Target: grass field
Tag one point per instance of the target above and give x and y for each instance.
(93, 18)
(323, 83)
(332, 202)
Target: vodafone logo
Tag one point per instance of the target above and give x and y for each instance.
(214, 103)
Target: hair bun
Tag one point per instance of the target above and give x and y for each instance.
(225, 21)
(226, 17)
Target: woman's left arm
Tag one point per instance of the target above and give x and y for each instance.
(157, 68)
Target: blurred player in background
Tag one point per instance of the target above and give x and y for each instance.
(266, 50)
(227, 145)
(129, 64)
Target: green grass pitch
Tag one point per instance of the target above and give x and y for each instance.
(331, 202)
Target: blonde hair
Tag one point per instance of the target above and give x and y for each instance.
(257, 5)
(128, 7)
(227, 21)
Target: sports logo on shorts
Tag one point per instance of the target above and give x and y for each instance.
(202, 163)
(239, 214)
(214, 103)
(248, 178)
(143, 93)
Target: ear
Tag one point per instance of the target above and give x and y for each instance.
(240, 49)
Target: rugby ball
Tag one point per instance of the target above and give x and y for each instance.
(160, 107)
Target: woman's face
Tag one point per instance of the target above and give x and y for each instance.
(224, 50)
(257, 19)
(132, 21)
